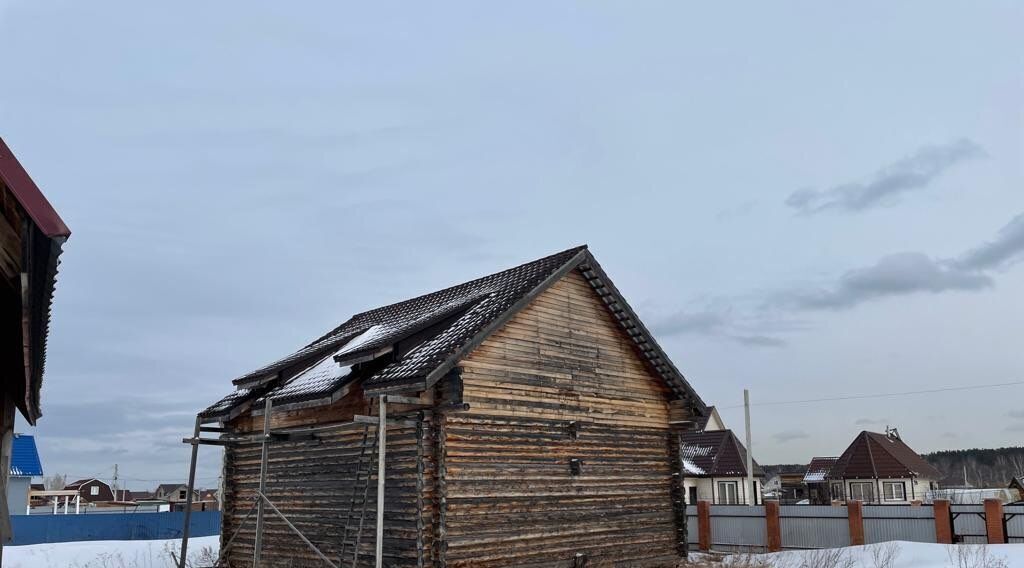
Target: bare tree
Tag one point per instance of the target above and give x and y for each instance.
(55, 482)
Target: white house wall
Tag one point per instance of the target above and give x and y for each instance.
(914, 489)
(707, 488)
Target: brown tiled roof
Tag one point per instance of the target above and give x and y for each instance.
(715, 453)
(873, 455)
(425, 336)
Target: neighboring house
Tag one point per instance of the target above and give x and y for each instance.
(1018, 484)
(709, 422)
(715, 469)
(24, 466)
(535, 422)
(789, 482)
(31, 236)
(173, 493)
(209, 500)
(881, 468)
(91, 490)
(816, 479)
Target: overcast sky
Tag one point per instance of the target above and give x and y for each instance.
(805, 200)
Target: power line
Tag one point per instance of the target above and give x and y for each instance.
(880, 395)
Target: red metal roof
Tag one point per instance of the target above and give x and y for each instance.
(21, 185)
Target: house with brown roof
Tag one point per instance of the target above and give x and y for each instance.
(715, 469)
(524, 418)
(881, 468)
(816, 479)
(91, 490)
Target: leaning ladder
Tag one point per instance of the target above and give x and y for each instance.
(361, 465)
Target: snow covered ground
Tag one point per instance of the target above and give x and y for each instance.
(892, 555)
(110, 554)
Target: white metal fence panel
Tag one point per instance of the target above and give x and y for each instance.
(738, 528)
(692, 528)
(1014, 523)
(969, 524)
(883, 523)
(814, 526)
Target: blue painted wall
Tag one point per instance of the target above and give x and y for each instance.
(36, 529)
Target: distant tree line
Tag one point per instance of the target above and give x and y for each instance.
(992, 467)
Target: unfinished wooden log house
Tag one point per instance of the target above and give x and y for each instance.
(530, 419)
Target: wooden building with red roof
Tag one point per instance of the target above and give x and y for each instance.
(31, 237)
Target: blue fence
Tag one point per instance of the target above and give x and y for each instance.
(37, 529)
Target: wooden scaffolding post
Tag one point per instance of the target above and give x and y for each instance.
(382, 432)
(258, 545)
(188, 498)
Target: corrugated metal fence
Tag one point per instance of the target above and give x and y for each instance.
(691, 526)
(742, 528)
(883, 523)
(37, 529)
(969, 523)
(1014, 523)
(738, 528)
(814, 526)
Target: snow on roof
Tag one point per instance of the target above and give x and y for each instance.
(372, 333)
(818, 469)
(692, 468)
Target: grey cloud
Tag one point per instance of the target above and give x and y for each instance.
(911, 173)
(1008, 246)
(716, 322)
(789, 435)
(759, 340)
(1016, 414)
(870, 421)
(893, 275)
(699, 322)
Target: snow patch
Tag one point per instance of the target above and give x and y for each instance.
(87, 554)
(906, 555)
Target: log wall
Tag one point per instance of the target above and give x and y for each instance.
(314, 484)
(559, 387)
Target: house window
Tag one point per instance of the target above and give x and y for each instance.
(181, 494)
(727, 493)
(693, 496)
(862, 491)
(894, 491)
(837, 490)
(94, 490)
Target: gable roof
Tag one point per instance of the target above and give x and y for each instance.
(876, 456)
(81, 482)
(819, 470)
(715, 453)
(426, 336)
(702, 423)
(25, 457)
(165, 488)
(29, 196)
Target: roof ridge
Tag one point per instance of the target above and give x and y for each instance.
(573, 250)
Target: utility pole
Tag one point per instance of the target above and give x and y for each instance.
(750, 450)
(115, 482)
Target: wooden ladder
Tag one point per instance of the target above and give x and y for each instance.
(364, 464)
